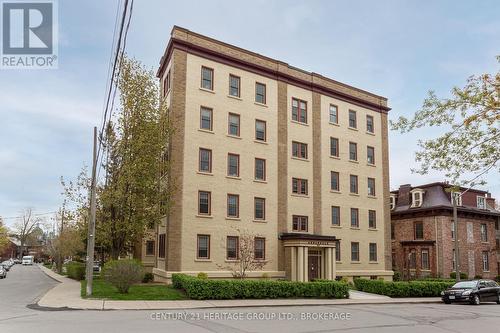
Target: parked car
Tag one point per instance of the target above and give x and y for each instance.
(474, 292)
(3, 272)
(28, 260)
(6, 265)
(17, 261)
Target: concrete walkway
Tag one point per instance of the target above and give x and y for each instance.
(66, 295)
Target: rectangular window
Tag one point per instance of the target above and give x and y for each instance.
(233, 205)
(486, 261)
(372, 219)
(299, 223)
(233, 165)
(419, 230)
(484, 233)
(334, 147)
(334, 181)
(260, 93)
(161, 246)
(481, 202)
(206, 118)
(166, 84)
(150, 248)
(354, 251)
(336, 215)
(299, 110)
(354, 218)
(370, 155)
(413, 259)
(234, 85)
(203, 247)
(373, 251)
(204, 202)
(259, 248)
(205, 164)
(260, 130)
(369, 124)
(260, 169)
(425, 259)
(353, 184)
(338, 256)
(259, 208)
(207, 78)
(352, 119)
(299, 149)
(233, 124)
(371, 186)
(353, 151)
(299, 186)
(334, 114)
(232, 246)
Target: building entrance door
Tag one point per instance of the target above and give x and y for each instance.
(314, 265)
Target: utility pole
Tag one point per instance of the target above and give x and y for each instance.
(59, 255)
(91, 231)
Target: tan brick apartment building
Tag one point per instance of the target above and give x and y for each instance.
(298, 160)
(423, 236)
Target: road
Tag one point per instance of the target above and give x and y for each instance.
(24, 285)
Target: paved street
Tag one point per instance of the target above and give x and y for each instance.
(25, 284)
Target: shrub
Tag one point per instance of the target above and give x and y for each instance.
(197, 288)
(396, 276)
(148, 277)
(75, 270)
(403, 289)
(123, 274)
(463, 276)
(202, 275)
(497, 279)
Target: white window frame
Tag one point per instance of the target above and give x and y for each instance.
(414, 202)
(481, 202)
(458, 196)
(392, 201)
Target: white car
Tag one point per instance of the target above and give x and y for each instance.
(3, 272)
(28, 260)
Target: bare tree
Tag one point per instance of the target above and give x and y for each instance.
(246, 260)
(25, 227)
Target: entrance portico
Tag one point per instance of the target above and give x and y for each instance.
(310, 256)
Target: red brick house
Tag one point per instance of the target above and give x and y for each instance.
(423, 237)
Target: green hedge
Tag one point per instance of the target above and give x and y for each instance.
(197, 288)
(403, 289)
(75, 270)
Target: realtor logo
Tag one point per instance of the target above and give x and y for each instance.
(29, 33)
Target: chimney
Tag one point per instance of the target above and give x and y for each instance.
(404, 195)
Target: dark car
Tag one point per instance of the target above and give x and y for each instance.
(474, 292)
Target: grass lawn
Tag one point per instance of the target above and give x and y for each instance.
(147, 292)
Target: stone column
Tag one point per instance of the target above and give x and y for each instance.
(293, 258)
(323, 265)
(334, 263)
(306, 264)
(328, 263)
(300, 263)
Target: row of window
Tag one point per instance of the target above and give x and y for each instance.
(418, 231)
(353, 151)
(232, 247)
(233, 205)
(485, 259)
(372, 252)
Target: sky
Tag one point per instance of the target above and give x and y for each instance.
(397, 49)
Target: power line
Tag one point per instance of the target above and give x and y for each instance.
(20, 217)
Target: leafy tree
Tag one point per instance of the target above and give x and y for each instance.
(129, 200)
(26, 228)
(471, 143)
(4, 237)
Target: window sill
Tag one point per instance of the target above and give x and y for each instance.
(204, 173)
(204, 216)
(354, 161)
(371, 165)
(233, 218)
(372, 229)
(355, 228)
(233, 177)
(203, 260)
(355, 262)
(207, 90)
(233, 136)
(334, 124)
(299, 159)
(149, 255)
(299, 195)
(335, 157)
(260, 104)
(370, 133)
(336, 226)
(354, 194)
(260, 181)
(235, 97)
(373, 262)
(261, 142)
(206, 131)
(486, 271)
(335, 191)
(299, 123)
(232, 260)
(353, 128)
(259, 221)
(372, 196)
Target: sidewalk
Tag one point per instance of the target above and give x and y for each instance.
(66, 295)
